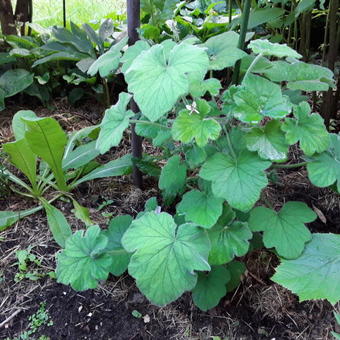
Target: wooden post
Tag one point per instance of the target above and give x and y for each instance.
(133, 19)
(7, 18)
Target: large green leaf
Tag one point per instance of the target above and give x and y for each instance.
(308, 129)
(58, 224)
(196, 125)
(300, 75)
(132, 53)
(285, 230)
(165, 256)
(114, 123)
(15, 81)
(117, 167)
(237, 178)
(159, 76)
(18, 125)
(228, 241)
(206, 210)
(210, 288)
(259, 16)
(120, 257)
(269, 141)
(84, 260)
(47, 139)
(23, 158)
(223, 51)
(324, 168)
(316, 273)
(172, 178)
(265, 47)
(258, 98)
(80, 156)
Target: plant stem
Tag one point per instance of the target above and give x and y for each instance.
(230, 5)
(252, 65)
(229, 143)
(242, 38)
(145, 122)
(289, 166)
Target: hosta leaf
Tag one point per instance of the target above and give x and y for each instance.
(58, 224)
(159, 76)
(258, 98)
(268, 141)
(114, 123)
(15, 81)
(223, 51)
(196, 125)
(84, 261)
(316, 273)
(285, 230)
(324, 169)
(120, 258)
(47, 140)
(173, 177)
(238, 180)
(210, 288)
(228, 241)
(265, 47)
(300, 75)
(23, 158)
(165, 256)
(206, 210)
(308, 129)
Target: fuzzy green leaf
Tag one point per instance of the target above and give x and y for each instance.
(114, 123)
(316, 273)
(132, 53)
(284, 230)
(172, 178)
(159, 76)
(308, 129)
(265, 47)
(210, 288)
(228, 241)
(84, 261)
(268, 141)
(165, 256)
(324, 168)
(205, 211)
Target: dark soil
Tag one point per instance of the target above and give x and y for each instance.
(258, 309)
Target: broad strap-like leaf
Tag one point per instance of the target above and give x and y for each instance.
(308, 129)
(201, 208)
(114, 123)
(269, 141)
(8, 218)
(159, 76)
(257, 98)
(165, 256)
(172, 178)
(18, 125)
(23, 158)
(120, 257)
(82, 213)
(190, 125)
(316, 273)
(210, 288)
(265, 47)
(84, 260)
(58, 224)
(117, 167)
(47, 140)
(15, 81)
(228, 241)
(324, 168)
(223, 51)
(239, 179)
(284, 230)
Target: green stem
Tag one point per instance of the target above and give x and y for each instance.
(229, 142)
(242, 38)
(145, 122)
(289, 166)
(252, 65)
